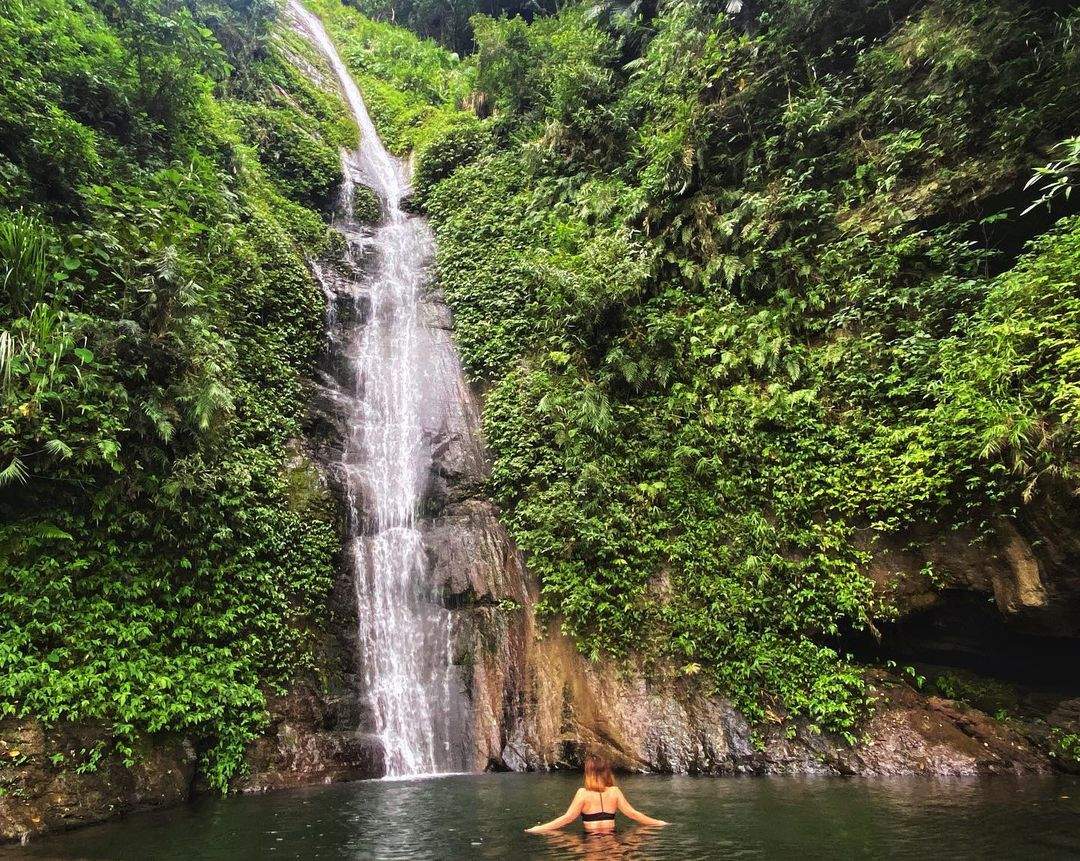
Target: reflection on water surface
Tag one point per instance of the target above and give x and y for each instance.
(483, 816)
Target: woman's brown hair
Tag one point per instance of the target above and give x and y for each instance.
(598, 776)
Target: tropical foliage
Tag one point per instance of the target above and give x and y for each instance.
(749, 290)
(158, 569)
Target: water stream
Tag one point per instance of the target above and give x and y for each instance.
(398, 385)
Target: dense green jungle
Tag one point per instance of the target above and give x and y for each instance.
(749, 290)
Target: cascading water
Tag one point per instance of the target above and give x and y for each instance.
(397, 385)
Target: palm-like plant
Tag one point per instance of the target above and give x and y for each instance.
(1058, 177)
(24, 272)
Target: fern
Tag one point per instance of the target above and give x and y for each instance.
(15, 471)
(59, 448)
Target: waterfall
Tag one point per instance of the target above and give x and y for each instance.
(398, 386)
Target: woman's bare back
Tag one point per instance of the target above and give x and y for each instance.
(600, 802)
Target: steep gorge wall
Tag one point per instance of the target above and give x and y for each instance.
(538, 703)
(777, 346)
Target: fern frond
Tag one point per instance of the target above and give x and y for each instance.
(59, 448)
(49, 530)
(160, 419)
(14, 471)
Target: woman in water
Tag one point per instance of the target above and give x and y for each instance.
(596, 803)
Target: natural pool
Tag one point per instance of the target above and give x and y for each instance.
(483, 816)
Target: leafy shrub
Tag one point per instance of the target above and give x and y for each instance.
(367, 208)
(456, 145)
(1065, 748)
(1013, 375)
(309, 171)
(447, 23)
(410, 86)
(989, 695)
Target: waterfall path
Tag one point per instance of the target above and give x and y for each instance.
(399, 386)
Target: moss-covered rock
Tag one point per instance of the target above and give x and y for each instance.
(367, 208)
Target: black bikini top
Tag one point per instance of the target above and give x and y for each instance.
(601, 816)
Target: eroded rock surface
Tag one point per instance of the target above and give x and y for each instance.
(42, 791)
(471, 557)
(313, 738)
(540, 705)
(475, 566)
(576, 706)
(1029, 568)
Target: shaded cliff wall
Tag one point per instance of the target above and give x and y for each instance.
(540, 704)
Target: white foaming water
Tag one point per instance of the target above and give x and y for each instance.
(396, 385)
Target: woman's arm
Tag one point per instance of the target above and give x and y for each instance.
(627, 809)
(571, 814)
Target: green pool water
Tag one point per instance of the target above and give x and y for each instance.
(483, 816)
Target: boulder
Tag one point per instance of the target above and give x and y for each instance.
(312, 739)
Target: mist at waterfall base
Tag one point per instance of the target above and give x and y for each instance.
(398, 384)
(483, 816)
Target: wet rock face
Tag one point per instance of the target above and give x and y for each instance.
(313, 738)
(537, 704)
(474, 565)
(41, 794)
(1029, 568)
(459, 460)
(577, 707)
(471, 558)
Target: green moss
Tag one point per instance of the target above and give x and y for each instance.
(367, 208)
(989, 695)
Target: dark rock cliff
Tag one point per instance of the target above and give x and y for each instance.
(43, 793)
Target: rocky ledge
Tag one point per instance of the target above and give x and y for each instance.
(312, 738)
(574, 706)
(41, 790)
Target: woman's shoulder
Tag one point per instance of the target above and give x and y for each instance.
(610, 790)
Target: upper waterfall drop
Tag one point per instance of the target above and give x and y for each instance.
(398, 386)
(388, 174)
